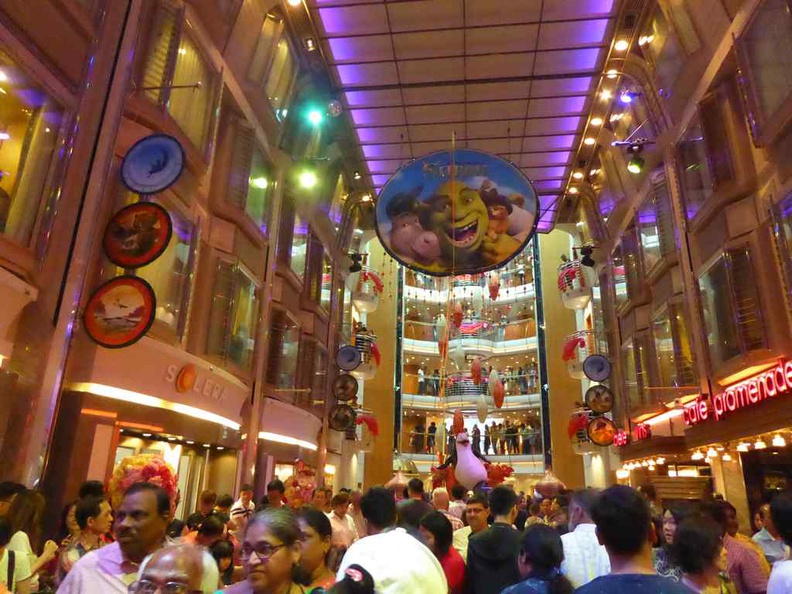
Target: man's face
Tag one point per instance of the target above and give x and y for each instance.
(340, 510)
(102, 523)
(139, 527)
(206, 507)
(476, 516)
(246, 496)
(319, 499)
(275, 498)
(173, 566)
(732, 525)
(546, 507)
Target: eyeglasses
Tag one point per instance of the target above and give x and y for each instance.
(147, 587)
(263, 550)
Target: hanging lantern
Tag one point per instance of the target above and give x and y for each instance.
(481, 408)
(458, 424)
(365, 343)
(478, 301)
(457, 316)
(498, 394)
(457, 355)
(475, 370)
(493, 379)
(365, 296)
(494, 285)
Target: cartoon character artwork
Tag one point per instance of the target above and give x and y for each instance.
(469, 468)
(460, 212)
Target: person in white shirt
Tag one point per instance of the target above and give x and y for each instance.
(19, 582)
(781, 511)
(457, 506)
(243, 508)
(584, 557)
(476, 513)
(356, 513)
(344, 529)
(441, 501)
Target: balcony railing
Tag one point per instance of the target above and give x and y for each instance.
(474, 329)
(577, 347)
(526, 442)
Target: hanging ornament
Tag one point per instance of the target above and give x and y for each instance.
(491, 381)
(370, 421)
(458, 424)
(457, 315)
(478, 302)
(375, 353)
(498, 394)
(475, 370)
(481, 408)
(494, 285)
(457, 355)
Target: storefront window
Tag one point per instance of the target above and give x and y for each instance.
(274, 64)
(782, 214)
(299, 247)
(694, 173)
(327, 282)
(182, 80)
(731, 308)
(283, 350)
(30, 124)
(636, 353)
(633, 264)
(607, 183)
(656, 223)
(766, 49)
(234, 315)
(170, 275)
(251, 179)
(632, 389)
(672, 348)
(619, 277)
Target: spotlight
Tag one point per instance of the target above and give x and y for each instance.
(778, 441)
(621, 45)
(628, 97)
(635, 166)
(356, 176)
(315, 117)
(308, 180)
(759, 444)
(587, 260)
(356, 263)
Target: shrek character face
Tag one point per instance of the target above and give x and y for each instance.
(459, 219)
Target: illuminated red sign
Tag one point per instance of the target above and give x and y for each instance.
(749, 392)
(643, 431)
(621, 438)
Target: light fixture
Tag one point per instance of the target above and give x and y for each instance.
(589, 141)
(207, 445)
(356, 176)
(621, 45)
(260, 183)
(596, 121)
(189, 442)
(573, 190)
(612, 73)
(182, 51)
(146, 434)
(644, 463)
(308, 179)
(661, 461)
(651, 467)
(310, 44)
(3, 76)
(578, 175)
(644, 39)
(315, 117)
(727, 457)
(366, 198)
(615, 117)
(711, 453)
(294, 2)
(622, 474)
(5, 136)
(743, 446)
(220, 448)
(778, 441)
(606, 95)
(759, 444)
(628, 97)
(697, 455)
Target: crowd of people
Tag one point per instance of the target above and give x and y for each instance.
(390, 541)
(509, 438)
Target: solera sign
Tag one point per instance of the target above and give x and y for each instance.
(749, 392)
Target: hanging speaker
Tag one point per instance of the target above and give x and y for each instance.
(348, 358)
(342, 417)
(345, 388)
(597, 368)
(599, 398)
(601, 431)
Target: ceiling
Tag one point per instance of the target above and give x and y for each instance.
(511, 77)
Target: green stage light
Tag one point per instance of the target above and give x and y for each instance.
(636, 165)
(315, 117)
(308, 180)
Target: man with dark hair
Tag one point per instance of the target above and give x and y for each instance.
(321, 499)
(745, 562)
(91, 489)
(275, 491)
(584, 557)
(624, 527)
(781, 511)
(209, 532)
(415, 507)
(379, 510)
(492, 553)
(476, 514)
(243, 508)
(206, 503)
(140, 525)
(94, 516)
(415, 489)
(344, 530)
(769, 539)
(457, 505)
(223, 507)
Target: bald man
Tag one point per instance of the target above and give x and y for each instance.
(180, 564)
(441, 502)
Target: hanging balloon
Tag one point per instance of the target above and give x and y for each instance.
(481, 408)
(493, 379)
(352, 281)
(458, 423)
(457, 355)
(478, 302)
(442, 327)
(475, 370)
(457, 316)
(498, 394)
(493, 284)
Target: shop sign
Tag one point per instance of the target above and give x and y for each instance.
(188, 379)
(749, 392)
(621, 438)
(642, 432)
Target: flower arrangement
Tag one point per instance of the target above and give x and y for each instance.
(300, 486)
(142, 468)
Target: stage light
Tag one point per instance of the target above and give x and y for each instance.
(578, 175)
(778, 441)
(621, 45)
(308, 180)
(759, 444)
(596, 121)
(636, 165)
(589, 141)
(315, 117)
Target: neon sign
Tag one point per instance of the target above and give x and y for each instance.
(642, 432)
(749, 392)
(621, 438)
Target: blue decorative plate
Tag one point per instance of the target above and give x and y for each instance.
(153, 164)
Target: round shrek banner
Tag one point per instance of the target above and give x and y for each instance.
(463, 218)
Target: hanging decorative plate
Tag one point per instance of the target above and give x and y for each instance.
(342, 417)
(456, 212)
(599, 399)
(345, 387)
(601, 431)
(348, 357)
(120, 311)
(153, 164)
(137, 234)
(597, 368)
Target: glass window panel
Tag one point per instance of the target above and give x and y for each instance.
(281, 75)
(251, 181)
(327, 282)
(632, 388)
(271, 33)
(767, 47)
(746, 299)
(683, 351)
(284, 348)
(662, 49)
(163, 38)
(319, 379)
(633, 268)
(299, 247)
(672, 348)
(716, 139)
(221, 312)
(782, 213)
(694, 172)
(719, 315)
(664, 348)
(656, 224)
(29, 125)
(192, 107)
(619, 277)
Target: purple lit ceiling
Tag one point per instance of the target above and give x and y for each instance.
(512, 77)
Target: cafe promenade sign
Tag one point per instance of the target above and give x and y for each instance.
(749, 392)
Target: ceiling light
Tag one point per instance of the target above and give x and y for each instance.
(308, 179)
(578, 175)
(587, 260)
(259, 182)
(621, 45)
(606, 95)
(366, 198)
(743, 447)
(146, 434)
(315, 117)
(356, 175)
(310, 43)
(294, 2)
(628, 97)
(171, 438)
(189, 442)
(759, 444)
(596, 121)
(589, 141)
(616, 117)
(727, 457)
(651, 467)
(622, 474)
(711, 453)
(5, 136)
(697, 455)
(207, 445)
(573, 190)
(661, 461)
(636, 165)
(612, 73)
(778, 441)
(220, 448)
(3, 76)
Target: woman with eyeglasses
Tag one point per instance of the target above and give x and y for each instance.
(270, 553)
(317, 534)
